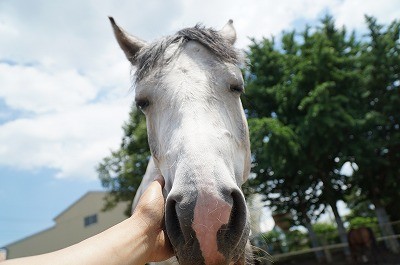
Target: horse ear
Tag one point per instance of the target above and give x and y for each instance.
(128, 43)
(229, 32)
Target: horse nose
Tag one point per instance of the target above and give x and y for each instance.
(206, 226)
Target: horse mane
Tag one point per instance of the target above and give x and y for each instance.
(153, 54)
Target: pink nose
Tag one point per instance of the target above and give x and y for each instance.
(211, 213)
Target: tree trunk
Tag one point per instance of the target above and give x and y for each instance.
(386, 227)
(341, 229)
(314, 241)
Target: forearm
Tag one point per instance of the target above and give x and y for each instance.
(124, 243)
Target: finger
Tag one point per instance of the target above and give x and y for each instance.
(155, 188)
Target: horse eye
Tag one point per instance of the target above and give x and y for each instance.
(142, 103)
(237, 88)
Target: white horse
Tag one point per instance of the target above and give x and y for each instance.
(189, 85)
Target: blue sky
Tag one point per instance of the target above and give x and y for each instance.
(33, 198)
(65, 85)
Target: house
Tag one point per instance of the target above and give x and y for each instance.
(81, 220)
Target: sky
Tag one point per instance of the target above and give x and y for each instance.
(65, 86)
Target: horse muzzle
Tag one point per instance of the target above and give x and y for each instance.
(206, 226)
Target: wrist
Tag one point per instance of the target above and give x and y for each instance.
(143, 238)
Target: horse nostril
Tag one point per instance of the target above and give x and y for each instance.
(172, 222)
(178, 223)
(238, 217)
(239, 213)
(231, 234)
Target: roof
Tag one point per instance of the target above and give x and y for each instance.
(25, 238)
(87, 194)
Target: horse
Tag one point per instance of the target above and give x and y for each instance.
(188, 85)
(362, 244)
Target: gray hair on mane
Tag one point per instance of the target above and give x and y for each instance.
(153, 54)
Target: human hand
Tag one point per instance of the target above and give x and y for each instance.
(150, 210)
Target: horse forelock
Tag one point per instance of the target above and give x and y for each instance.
(152, 55)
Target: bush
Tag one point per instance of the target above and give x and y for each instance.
(327, 233)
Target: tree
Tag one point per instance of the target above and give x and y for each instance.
(359, 204)
(122, 171)
(377, 153)
(268, 69)
(300, 117)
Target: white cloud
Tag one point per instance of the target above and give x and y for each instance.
(30, 89)
(72, 142)
(255, 18)
(351, 13)
(264, 18)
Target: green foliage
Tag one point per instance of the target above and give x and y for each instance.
(279, 242)
(272, 236)
(297, 240)
(378, 150)
(122, 171)
(357, 222)
(326, 233)
(359, 205)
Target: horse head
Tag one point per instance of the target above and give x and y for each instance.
(189, 85)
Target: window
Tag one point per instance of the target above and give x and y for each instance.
(91, 219)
